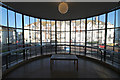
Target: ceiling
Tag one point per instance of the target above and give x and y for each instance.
(49, 10)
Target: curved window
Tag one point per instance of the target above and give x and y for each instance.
(89, 36)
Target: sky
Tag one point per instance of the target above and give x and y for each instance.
(11, 18)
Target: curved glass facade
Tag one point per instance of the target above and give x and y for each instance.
(23, 37)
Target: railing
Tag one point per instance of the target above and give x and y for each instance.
(10, 58)
(16, 56)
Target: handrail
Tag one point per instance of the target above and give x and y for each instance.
(90, 47)
(4, 53)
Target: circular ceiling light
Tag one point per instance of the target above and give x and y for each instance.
(63, 7)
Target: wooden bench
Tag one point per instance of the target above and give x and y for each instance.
(63, 57)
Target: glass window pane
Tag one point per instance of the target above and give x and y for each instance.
(101, 38)
(67, 26)
(43, 24)
(53, 37)
(4, 39)
(77, 36)
(43, 36)
(102, 21)
(12, 37)
(37, 24)
(67, 37)
(26, 22)
(53, 25)
(19, 36)
(4, 16)
(4, 35)
(110, 23)
(58, 37)
(48, 25)
(18, 20)
(37, 37)
(26, 36)
(89, 23)
(117, 40)
(32, 23)
(33, 37)
(89, 38)
(62, 36)
(110, 38)
(73, 25)
(95, 22)
(82, 24)
(63, 26)
(73, 40)
(82, 38)
(11, 17)
(117, 18)
(95, 38)
(58, 25)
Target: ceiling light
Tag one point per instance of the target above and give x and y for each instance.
(63, 7)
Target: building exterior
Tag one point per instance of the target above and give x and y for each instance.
(63, 31)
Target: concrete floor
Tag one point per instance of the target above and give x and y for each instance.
(62, 69)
